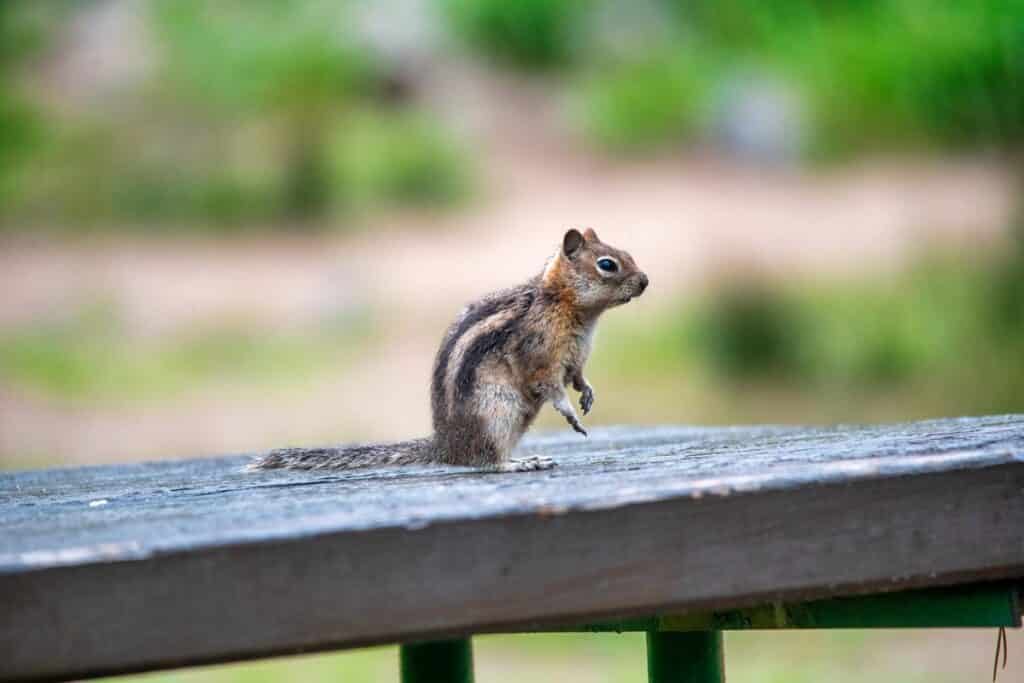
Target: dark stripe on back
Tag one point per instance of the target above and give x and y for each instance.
(475, 314)
(465, 380)
(528, 343)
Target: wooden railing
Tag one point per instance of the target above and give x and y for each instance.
(679, 532)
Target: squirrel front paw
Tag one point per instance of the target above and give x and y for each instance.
(574, 422)
(587, 399)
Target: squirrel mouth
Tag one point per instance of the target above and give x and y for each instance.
(626, 298)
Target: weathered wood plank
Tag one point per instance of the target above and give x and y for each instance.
(112, 569)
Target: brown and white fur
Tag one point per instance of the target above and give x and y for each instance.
(502, 359)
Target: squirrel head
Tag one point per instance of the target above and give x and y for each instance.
(594, 275)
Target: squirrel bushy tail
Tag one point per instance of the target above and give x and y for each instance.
(412, 452)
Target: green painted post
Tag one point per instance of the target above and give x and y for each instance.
(438, 661)
(688, 657)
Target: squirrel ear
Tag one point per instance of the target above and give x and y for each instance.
(571, 243)
(590, 235)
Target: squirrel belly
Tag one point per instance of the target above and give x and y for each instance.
(355, 456)
(503, 358)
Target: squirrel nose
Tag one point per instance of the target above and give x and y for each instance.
(643, 282)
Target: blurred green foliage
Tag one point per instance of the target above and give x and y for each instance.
(239, 126)
(746, 331)
(90, 357)
(89, 173)
(873, 75)
(898, 74)
(389, 156)
(20, 134)
(1005, 291)
(535, 34)
(288, 55)
(283, 60)
(644, 105)
(24, 30)
(955, 328)
(242, 122)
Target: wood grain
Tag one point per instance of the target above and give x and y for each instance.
(128, 568)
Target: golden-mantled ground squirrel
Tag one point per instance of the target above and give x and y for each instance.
(500, 361)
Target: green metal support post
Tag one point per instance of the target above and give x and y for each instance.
(687, 647)
(685, 657)
(439, 661)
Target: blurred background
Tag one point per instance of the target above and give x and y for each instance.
(227, 226)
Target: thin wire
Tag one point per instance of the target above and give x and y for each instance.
(1000, 645)
(1006, 647)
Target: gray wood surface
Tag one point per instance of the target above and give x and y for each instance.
(129, 568)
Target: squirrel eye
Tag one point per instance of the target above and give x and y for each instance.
(607, 265)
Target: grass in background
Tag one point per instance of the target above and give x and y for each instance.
(840, 656)
(90, 359)
(397, 157)
(944, 338)
(86, 177)
(369, 665)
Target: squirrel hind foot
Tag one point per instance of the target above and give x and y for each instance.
(532, 463)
